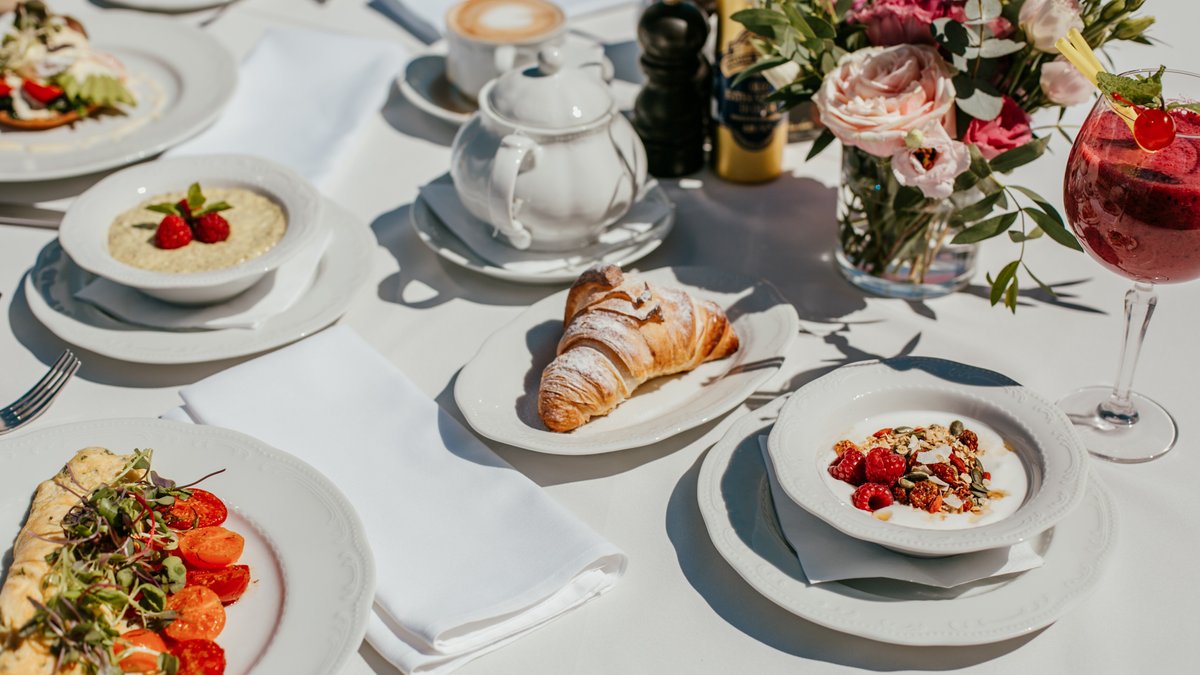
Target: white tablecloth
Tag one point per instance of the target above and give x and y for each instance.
(681, 608)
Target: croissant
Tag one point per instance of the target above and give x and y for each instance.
(619, 332)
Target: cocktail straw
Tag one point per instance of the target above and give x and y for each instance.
(1079, 53)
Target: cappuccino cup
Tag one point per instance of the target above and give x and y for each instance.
(486, 38)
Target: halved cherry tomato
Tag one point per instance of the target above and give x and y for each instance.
(42, 93)
(210, 548)
(203, 508)
(228, 583)
(139, 661)
(199, 657)
(199, 614)
(5, 90)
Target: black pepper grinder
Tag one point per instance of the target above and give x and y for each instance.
(671, 114)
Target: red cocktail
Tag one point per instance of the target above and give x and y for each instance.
(1137, 211)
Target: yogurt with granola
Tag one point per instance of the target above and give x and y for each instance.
(953, 473)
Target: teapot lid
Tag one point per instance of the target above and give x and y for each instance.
(551, 95)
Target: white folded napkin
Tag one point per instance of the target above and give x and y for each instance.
(827, 554)
(470, 553)
(482, 239)
(301, 96)
(426, 19)
(277, 291)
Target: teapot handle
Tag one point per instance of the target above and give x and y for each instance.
(502, 188)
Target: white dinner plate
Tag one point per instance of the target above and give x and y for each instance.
(169, 5)
(51, 285)
(441, 240)
(181, 76)
(735, 501)
(497, 390)
(313, 572)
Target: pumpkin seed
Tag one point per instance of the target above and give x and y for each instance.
(956, 427)
(916, 476)
(976, 476)
(906, 484)
(902, 430)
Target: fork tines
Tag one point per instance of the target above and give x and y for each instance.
(35, 401)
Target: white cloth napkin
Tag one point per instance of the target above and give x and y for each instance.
(277, 291)
(829, 555)
(301, 96)
(426, 19)
(470, 553)
(481, 238)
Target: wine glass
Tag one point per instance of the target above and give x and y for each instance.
(1138, 214)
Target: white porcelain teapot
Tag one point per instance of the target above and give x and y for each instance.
(548, 160)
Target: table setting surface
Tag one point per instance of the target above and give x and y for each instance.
(680, 606)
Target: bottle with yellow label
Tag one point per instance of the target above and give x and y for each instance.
(749, 131)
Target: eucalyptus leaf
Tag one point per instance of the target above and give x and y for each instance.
(1020, 156)
(986, 229)
(980, 11)
(975, 101)
(981, 208)
(1002, 280)
(1054, 228)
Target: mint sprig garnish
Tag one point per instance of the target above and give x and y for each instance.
(1145, 91)
(195, 205)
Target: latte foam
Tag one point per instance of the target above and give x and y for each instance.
(504, 21)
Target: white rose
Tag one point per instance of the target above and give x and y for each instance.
(1045, 21)
(876, 96)
(1064, 85)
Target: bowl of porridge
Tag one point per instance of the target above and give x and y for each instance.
(192, 230)
(928, 457)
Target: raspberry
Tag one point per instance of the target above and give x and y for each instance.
(211, 228)
(872, 497)
(969, 439)
(884, 466)
(172, 232)
(945, 472)
(850, 467)
(184, 209)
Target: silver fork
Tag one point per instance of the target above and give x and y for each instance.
(35, 401)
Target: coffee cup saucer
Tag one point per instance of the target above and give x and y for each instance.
(424, 83)
(642, 230)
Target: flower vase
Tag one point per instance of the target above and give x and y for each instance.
(894, 241)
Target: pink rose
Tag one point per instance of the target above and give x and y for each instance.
(1009, 130)
(999, 27)
(1045, 21)
(1064, 85)
(897, 22)
(877, 95)
(931, 161)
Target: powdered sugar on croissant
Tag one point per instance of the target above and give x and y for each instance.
(619, 332)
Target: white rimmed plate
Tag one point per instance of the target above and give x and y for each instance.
(52, 282)
(83, 232)
(441, 240)
(735, 502)
(181, 76)
(313, 571)
(169, 5)
(497, 390)
(827, 409)
(423, 82)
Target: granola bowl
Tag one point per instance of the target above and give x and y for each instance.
(969, 459)
(86, 232)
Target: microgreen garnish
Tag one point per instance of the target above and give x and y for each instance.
(1145, 91)
(195, 205)
(116, 561)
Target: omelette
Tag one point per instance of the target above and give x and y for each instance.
(89, 469)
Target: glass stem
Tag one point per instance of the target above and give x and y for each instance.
(1139, 307)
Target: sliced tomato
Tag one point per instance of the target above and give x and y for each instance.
(139, 660)
(199, 614)
(228, 582)
(210, 548)
(5, 90)
(202, 509)
(199, 657)
(42, 93)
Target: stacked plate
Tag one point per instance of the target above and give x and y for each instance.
(303, 282)
(1064, 517)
